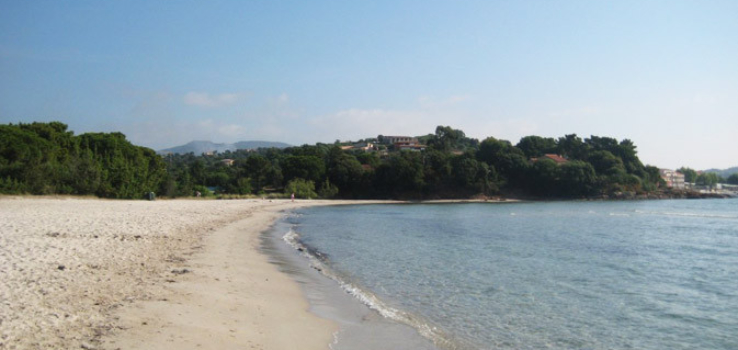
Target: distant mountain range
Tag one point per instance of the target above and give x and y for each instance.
(200, 147)
(724, 173)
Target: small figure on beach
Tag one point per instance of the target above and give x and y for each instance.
(293, 196)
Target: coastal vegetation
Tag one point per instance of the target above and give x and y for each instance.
(706, 178)
(46, 158)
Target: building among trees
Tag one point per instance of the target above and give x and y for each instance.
(391, 140)
(673, 178)
(555, 157)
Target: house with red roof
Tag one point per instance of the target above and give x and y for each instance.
(555, 157)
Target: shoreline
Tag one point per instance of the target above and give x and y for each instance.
(233, 298)
(114, 274)
(191, 274)
(364, 322)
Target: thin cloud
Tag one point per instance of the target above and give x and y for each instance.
(283, 98)
(507, 129)
(204, 99)
(232, 130)
(220, 131)
(360, 123)
(165, 133)
(575, 112)
(433, 103)
(422, 118)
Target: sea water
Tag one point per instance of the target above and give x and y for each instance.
(552, 275)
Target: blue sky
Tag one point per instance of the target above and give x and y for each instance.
(661, 73)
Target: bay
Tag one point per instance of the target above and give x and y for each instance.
(556, 275)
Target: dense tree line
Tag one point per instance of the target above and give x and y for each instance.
(732, 179)
(45, 158)
(452, 166)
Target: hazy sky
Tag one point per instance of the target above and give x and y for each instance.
(661, 73)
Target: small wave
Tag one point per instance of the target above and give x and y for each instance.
(316, 261)
(292, 238)
(316, 258)
(619, 214)
(694, 215)
(292, 217)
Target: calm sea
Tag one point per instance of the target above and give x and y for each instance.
(558, 275)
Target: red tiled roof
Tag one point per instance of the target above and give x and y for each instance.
(556, 158)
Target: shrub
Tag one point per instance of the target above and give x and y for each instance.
(328, 190)
(301, 188)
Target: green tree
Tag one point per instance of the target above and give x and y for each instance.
(707, 179)
(446, 138)
(301, 188)
(626, 150)
(606, 163)
(597, 143)
(401, 175)
(488, 179)
(257, 168)
(536, 146)
(652, 179)
(509, 161)
(327, 189)
(345, 171)
(690, 175)
(24, 156)
(577, 178)
(243, 186)
(467, 173)
(86, 173)
(733, 179)
(543, 177)
(310, 167)
(45, 158)
(369, 158)
(571, 147)
(128, 171)
(436, 170)
(219, 179)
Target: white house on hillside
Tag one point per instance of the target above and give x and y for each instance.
(391, 140)
(673, 178)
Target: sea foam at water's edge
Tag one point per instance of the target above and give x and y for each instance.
(360, 327)
(318, 262)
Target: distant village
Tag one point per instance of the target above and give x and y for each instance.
(384, 144)
(676, 180)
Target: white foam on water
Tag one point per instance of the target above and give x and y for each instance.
(292, 238)
(695, 215)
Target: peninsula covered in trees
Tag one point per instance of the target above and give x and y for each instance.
(46, 158)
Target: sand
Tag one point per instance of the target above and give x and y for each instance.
(185, 274)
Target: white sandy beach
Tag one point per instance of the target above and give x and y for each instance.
(184, 274)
